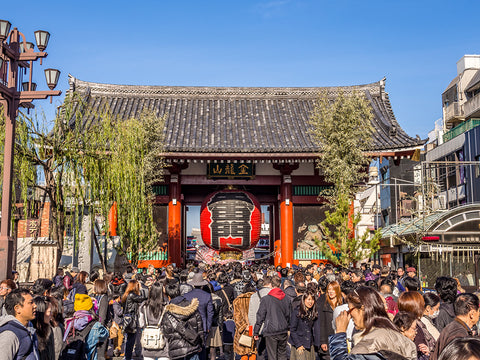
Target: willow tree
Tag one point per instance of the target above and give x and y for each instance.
(342, 128)
(89, 160)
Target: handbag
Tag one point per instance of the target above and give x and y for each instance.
(129, 323)
(114, 329)
(245, 340)
(152, 336)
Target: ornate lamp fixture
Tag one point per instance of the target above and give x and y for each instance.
(52, 75)
(4, 29)
(42, 37)
(20, 56)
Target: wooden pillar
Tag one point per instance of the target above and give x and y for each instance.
(175, 222)
(286, 221)
(286, 213)
(175, 211)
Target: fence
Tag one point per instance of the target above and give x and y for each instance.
(311, 255)
(150, 255)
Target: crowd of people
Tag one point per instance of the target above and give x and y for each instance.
(235, 311)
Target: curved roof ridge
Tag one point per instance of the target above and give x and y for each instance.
(376, 87)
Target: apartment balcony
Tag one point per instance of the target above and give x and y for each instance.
(472, 107)
(460, 129)
(453, 114)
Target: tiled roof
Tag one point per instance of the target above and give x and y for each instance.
(240, 119)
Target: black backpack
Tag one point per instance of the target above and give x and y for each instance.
(74, 347)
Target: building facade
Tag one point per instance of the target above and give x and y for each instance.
(252, 139)
(443, 238)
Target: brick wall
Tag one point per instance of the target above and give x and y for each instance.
(28, 227)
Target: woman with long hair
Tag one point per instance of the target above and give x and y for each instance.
(302, 320)
(57, 325)
(131, 301)
(413, 303)
(326, 304)
(42, 324)
(378, 338)
(150, 314)
(100, 290)
(78, 286)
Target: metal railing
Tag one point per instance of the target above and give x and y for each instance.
(460, 129)
(150, 255)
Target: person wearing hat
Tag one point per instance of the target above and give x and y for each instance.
(85, 320)
(411, 272)
(205, 305)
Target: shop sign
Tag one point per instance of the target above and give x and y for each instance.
(467, 239)
(435, 248)
(231, 171)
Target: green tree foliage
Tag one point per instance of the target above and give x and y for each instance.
(342, 128)
(89, 159)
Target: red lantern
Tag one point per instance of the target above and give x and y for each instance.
(230, 220)
(112, 219)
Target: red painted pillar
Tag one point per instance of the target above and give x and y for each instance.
(175, 222)
(286, 222)
(351, 217)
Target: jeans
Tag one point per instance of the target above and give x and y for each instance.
(192, 357)
(129, 345)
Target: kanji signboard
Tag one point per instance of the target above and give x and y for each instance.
(230, 171)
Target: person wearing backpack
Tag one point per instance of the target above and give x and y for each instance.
(131, 300)
(83, 332)
(150, 317)
(17, 335)
(100, 292)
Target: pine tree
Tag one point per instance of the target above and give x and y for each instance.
(342, 128)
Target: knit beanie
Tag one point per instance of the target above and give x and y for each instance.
(82, 302)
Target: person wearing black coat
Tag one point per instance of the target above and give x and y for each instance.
(326, 303)
(182, 325)
(131, 300)
(227, 295)
(274, 314)
(301, 328)
(446, 287)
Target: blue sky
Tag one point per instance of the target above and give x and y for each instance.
(414, 44)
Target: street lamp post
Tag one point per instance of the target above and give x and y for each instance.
(17, 57)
